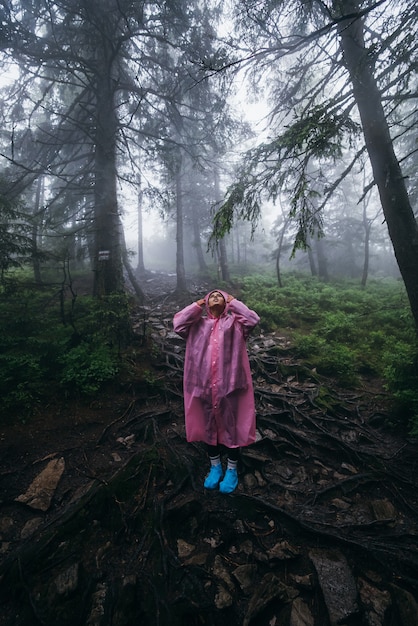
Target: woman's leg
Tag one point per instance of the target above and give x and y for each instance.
(230, 481)
(215, 474)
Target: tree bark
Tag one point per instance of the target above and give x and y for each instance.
(223, 257)
(140, 264)
(108, 253)
(198, 244)
(321, 258)
(180, 268)
(35, 230)
(401, 223)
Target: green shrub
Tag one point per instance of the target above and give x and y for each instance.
(86, 367)
(47, 346)
(401, 375)
(338, 326)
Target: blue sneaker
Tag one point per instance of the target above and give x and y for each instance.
(230, 481)
(214, 476)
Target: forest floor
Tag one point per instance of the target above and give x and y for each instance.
(104, 519)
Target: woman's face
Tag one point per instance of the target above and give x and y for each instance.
(216, 301)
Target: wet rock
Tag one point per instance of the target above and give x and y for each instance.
(250, 481)
(383, 510)
(303, 581)
(223, 598)
(246, 547)
(283, 550)
(337, 583)
(406, 605)
(128, 441)
(349, 468)
(269, 343)
(260, 480)
(42, 489)
(184, 549)
(67, 581)
(125, 612)
(342, 505)
(270, 588)
(375, 602)
(245, 575)
(221, 572)
(197, 559)
(6, 525)
(101, 552)
(97, 613)
(30, 527)
(300, 614)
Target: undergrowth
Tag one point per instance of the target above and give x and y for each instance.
(345, 331)
(53, 343)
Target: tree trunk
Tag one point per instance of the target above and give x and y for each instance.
(311, 258)
(180, 269)
(223, 257)
(35, 230)
(367, 223)
(128, 269)
(140, 265)
(321, 258)
(402, 226)
(108, 254)
(198, 243)
(279, 251)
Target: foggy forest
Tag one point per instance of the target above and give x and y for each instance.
(150, 152)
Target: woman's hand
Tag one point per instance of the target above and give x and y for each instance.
(230, 298)
(201, 302)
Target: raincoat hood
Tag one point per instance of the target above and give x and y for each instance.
(225, 297)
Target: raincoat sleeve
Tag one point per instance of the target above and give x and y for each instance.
(247, 318)
(185, 318)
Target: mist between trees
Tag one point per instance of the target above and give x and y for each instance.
(113, 112)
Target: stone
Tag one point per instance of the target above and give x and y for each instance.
(6, 524)
(283, 550)
(303, 582)
(246, 547)
(223, 598)
(67, 581)
(96, 617)
(197, 559)
(406, 605)
(30, 527)
(184, 549)
(270, 588)
(245, 575)
(375, 602)
(259, 478)
(42, 489)
(341, 504)
(222, 572)
(300, 614)
(250, 481)
(337, 583)
(383, 510)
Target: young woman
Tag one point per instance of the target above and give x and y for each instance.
(218, 390)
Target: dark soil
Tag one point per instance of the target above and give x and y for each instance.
(321, 530)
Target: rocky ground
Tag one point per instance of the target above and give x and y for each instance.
(104, 520)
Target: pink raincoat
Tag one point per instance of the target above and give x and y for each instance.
(218, 391)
